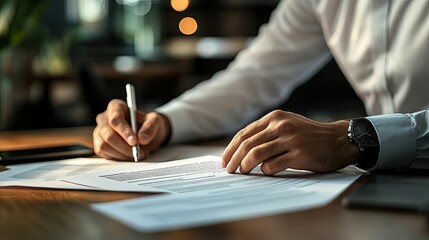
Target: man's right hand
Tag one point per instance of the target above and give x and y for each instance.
(113, 137)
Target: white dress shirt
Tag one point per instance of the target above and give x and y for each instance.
(382, 47)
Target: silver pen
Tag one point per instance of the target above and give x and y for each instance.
(131, 102)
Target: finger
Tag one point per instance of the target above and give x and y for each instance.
(104, 150)
(143, 152)
(117, 115)
(114, 141)
(248, 146)
(113, 156)
(261, 153)
(149, 128)
(239, 138)
(277, 164)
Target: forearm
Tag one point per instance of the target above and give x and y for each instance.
(287, 52)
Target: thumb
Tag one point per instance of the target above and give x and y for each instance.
(149, 129)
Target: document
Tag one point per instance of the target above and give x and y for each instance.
(201, 175)
(49, 174)
(205, 194)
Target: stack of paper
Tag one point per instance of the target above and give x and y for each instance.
(199, 191)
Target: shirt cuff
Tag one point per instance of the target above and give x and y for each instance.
(179, 122)
(397, 141)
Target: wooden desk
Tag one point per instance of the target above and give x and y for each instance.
(29, 213)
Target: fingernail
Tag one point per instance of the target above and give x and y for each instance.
(228, 168)
(222, 164)
(131, 140)
(144, 137)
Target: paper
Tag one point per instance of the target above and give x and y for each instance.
(201, 174)
(49, 174)
(204, 193)
(212, 196)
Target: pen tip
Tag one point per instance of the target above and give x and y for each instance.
(136, 154)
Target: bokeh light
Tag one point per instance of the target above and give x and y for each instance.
(128, 2)
(188, 26)
(179, 5)
(126, 64)
(91, 11)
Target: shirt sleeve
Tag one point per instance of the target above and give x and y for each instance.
(287, 52)
(404, 140)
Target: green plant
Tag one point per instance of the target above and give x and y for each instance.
(20, 23)
(22, 32)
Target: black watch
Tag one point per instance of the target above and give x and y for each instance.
(363, 134)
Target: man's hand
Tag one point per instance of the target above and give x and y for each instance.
(283, 140)
(113, 137)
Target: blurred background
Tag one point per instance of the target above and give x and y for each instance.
(62, 61)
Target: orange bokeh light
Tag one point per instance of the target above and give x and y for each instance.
(188, 26)
(179, 5)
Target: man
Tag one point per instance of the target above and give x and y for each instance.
(381, 46)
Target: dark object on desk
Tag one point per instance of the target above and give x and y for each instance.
(405, 191)
(44, 154)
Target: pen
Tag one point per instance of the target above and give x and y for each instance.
(131, 102)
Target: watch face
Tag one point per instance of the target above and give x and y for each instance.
(364, 133)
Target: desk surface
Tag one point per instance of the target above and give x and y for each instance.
(30, 213)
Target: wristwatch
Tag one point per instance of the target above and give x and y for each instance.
(363, 134)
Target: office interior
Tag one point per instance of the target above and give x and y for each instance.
(62, 61)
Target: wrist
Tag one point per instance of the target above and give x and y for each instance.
(363, 134)
(350, 151)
